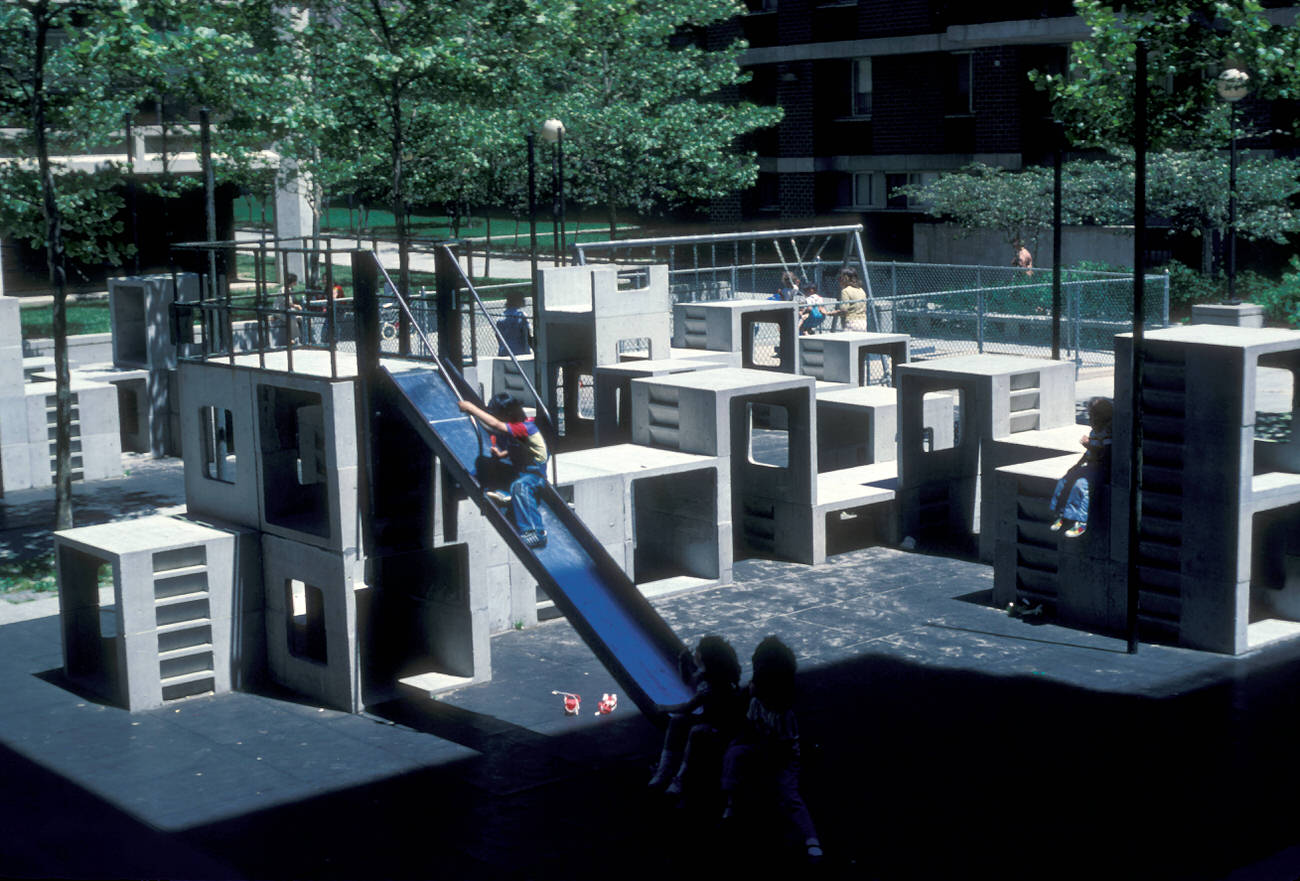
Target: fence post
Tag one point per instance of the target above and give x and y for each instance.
(979, 318)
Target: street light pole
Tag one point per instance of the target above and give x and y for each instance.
(553, 133)
(1232, 86)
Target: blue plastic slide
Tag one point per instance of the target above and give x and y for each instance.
(597, 597)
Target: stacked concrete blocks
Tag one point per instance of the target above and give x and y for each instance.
(140, 309)
(1220, 528)
(731, 326)
(586, 315)
(720, 413)
(665, 516)
(614, 392)
(998, 395)
(844, 356)
(186, 614)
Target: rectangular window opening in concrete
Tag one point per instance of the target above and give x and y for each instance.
(673, 530)
(89, 628)
(877, 369)
(769, 435)
(767, 344)
(937, 434)
(217, 431)
(1275, 395)
(128, 411)
(305, 605)
(130, 328)
(634, 348)
(1275, 564)
(294, 460)
(586, 397)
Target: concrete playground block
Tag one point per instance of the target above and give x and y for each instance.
(311, 622)
(996, 396)
(846, 356)
(11, 344)
(614, 392)
(218, 430)
(170, 628)
(306, 446)
(1220, 503)
(662, 514)
(506, 377)
(859, 426)
(730, 326)
(588, 316)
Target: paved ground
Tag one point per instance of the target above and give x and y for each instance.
(943, 739)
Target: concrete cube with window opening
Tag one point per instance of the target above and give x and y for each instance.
(853, 357)
(940, 496)
(664, 515)
(762, 331)
(761, 423)
(588, 316)
(1220, 523)
(183, 599)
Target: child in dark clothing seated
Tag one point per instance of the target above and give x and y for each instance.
(766, 754)
(517, 443)
(714, 670)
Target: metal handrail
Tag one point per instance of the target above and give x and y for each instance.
(501, 341)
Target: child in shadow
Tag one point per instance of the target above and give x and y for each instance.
(1092, 468)
(693, 738)
(764, 759)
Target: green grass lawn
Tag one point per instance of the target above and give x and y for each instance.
(506, 232)
(85, 317)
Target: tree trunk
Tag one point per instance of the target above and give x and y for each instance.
(54, 260)
(613, 215)
(487, 245)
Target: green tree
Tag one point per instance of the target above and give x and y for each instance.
(57, 94)
(644, 103)
(1189, 44)
(1186, 189)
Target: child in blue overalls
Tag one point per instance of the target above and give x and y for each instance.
(1091, 469)
(517, 443)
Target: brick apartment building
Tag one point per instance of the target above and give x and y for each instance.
(882, 93)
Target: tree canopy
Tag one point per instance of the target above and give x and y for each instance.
(1189, 44)
(1186, 190)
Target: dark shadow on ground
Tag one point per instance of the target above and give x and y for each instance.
(911, 772)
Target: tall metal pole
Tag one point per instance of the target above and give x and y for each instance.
(555, 202)
(1232, 205)
(1139, 258)
(1058, 135)
(559, 152)
(532, 219)
(132, 199)
(209, 193)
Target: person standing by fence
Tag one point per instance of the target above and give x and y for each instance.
(853, 300)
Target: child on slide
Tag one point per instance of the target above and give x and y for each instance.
(518, 445)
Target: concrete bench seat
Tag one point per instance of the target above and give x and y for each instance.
(1274, 489)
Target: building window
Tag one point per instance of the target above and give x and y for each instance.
(857, 189)
(861, 87)
(893, 182)
(761, 5)
(960, 98)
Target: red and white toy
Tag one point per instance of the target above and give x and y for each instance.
(607, 704)
(572, 702)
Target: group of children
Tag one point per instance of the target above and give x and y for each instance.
(743, 741)
(813, 309)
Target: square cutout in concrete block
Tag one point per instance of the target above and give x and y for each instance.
(293, 459)
(765, 344)
(217, 433)
(1274, 382)
(674, 530)
(769, 435)
(130, 326)
(941, 436)
(305, 604)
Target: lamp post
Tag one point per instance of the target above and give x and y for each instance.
(1232, 86)
(532, 214)
(553, 133)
